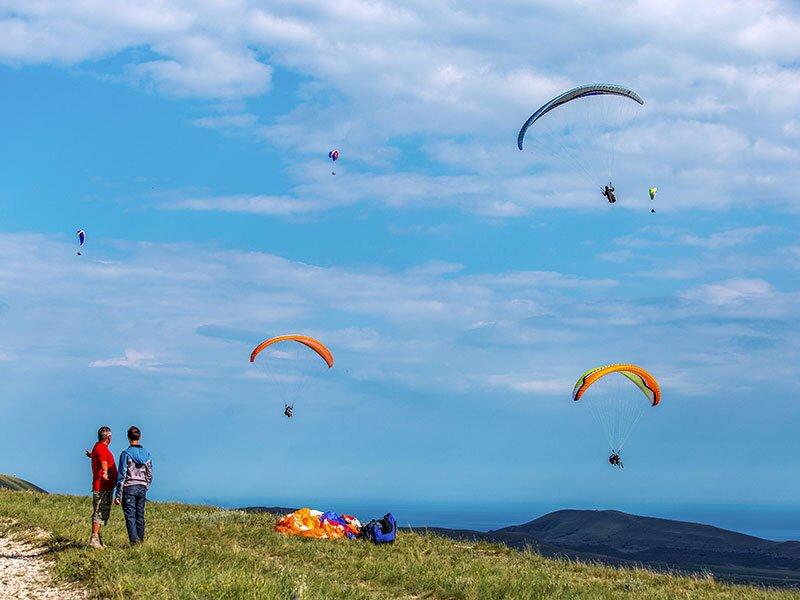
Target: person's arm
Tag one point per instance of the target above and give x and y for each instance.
(148, 472)
(122, 472)
(104, 466)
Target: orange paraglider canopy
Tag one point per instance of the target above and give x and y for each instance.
(315, 345)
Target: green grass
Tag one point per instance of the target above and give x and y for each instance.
(201, 552)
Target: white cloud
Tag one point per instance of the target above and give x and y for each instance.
(725, 239)
(202, 68)
(260, 205)
(545, 279)
(230, 121)
(131, 359)
(663, 237)
(720, 83)
(732, 291)
(193, 311)
(545, 386)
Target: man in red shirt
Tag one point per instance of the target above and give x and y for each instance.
(104, 478)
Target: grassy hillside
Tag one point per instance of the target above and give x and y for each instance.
(8, 482)
(199, 552)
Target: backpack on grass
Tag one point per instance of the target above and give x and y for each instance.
(383, 531)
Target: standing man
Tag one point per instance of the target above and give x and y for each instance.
(104, 477)
(135, 477)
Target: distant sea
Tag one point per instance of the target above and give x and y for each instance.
(772, 522)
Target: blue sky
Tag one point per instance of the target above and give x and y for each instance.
(462, 285)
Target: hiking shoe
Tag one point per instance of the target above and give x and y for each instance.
(95, 542)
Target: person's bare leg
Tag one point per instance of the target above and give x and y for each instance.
(95, 541)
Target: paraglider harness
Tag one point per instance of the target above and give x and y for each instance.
(615, 461)
(608, 192)
(383, 531)
(288, 410)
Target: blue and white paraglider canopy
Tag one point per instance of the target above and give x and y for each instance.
(588, 128)
(81, 239)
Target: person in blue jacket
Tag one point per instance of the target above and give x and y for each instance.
(135, 474)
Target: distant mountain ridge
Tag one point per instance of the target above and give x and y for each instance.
(10, 482)
(620, 538)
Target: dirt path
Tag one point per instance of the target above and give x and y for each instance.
(25, 573)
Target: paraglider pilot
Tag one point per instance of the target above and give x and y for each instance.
(608, 192)
(334, 156)
(288, 410)
(615, 461)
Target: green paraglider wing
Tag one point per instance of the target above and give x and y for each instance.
(594, 89)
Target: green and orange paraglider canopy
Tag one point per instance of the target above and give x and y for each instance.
(617, 396)
(642, 378)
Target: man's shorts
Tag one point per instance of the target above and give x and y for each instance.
(101, 506)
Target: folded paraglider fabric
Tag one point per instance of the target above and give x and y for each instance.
(350, 525)
(311, 523)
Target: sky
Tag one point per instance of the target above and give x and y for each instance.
(462, 285)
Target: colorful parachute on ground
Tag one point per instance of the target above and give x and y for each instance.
(617, 396)
(310, 523)
(317, 346)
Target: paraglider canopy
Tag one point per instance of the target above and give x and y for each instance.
(317, 346)
(594, 89)
(652, 191)
(294, 366)
(643, 380)
(81, 234)
(334, 156)
(584, 128)
(617, 396)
